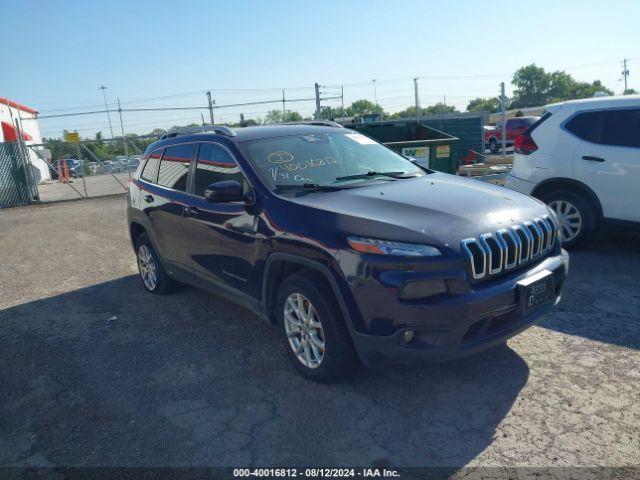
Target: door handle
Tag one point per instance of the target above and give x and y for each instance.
(591, 158)
(192, 211)
(148, 198)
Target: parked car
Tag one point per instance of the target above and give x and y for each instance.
(74, 167)
(354, 251)
(134, 162)
(583, 159)
(110, 166)
(515, 126)
(93, 168)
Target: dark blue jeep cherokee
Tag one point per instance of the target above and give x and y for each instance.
(355, 252)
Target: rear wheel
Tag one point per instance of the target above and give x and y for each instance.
(576, 215)
(315, 335)
(152, 273)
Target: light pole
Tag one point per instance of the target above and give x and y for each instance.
(106, 108)
(415, 91)
(375, 93)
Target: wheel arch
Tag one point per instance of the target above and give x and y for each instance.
(569, 184)
(135, 230)
(280, 265)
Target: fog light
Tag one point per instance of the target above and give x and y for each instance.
(408, 335)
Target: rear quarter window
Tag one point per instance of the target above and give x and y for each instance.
(150, 171)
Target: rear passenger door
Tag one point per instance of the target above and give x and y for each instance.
(222, 235)
(168, 198)
(608, 159)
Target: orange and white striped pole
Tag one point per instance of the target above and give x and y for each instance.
(66, 172)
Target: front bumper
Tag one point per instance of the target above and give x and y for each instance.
(461, 324)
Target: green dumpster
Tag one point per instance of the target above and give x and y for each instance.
(430, 147)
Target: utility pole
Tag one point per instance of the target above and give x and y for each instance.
(126, 149)
(202, 116)
(318, 114)
(242, 119)
(210, 106)
(375, 92)
(625, 74)
(503, 120)
(284, 109)
(415, 91)
(342, 101)
(106, 108)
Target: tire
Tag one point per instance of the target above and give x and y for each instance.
(338, 358)
(148, 264)
(493, 145)
(577, 216)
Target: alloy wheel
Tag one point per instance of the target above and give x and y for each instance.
(147, 267)
(304, 330)
(569, 218)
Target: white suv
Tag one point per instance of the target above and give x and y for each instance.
(583, 159)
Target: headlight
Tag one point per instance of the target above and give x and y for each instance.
(385, 247)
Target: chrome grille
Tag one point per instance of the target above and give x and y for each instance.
(509, 248)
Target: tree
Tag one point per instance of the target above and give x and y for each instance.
(438, 109)
(630, 91)
(275, 116)
(532, 87)
(330, 113)
(293, 116)
(488, 105)
(535, 87)
(431, 111)
(363, 107)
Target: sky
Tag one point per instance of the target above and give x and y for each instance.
(56, 54)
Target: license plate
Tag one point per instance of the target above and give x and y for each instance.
(536, 290)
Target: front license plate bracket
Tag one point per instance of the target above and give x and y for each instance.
(535, 291)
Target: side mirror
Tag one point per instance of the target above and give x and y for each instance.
(224, 192)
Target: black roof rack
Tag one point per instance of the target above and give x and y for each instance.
(220, 129)
(320, 123)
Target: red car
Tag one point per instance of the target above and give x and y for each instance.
(515, 126)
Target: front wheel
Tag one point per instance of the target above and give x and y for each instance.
(315, 335)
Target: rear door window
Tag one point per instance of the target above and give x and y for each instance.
(215, 164)
(587, 125)
(174, 167)
(622, 128)
(150, 171)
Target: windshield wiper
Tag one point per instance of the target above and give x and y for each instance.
(373, 173)
(313, 187)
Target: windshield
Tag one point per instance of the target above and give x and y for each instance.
(326, 159)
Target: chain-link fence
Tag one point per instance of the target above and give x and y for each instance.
(17, 184)
(92, 168)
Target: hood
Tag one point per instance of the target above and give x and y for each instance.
(437, 208)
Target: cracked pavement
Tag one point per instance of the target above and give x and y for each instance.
(95, 372)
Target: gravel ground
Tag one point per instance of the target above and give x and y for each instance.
(97, 372)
